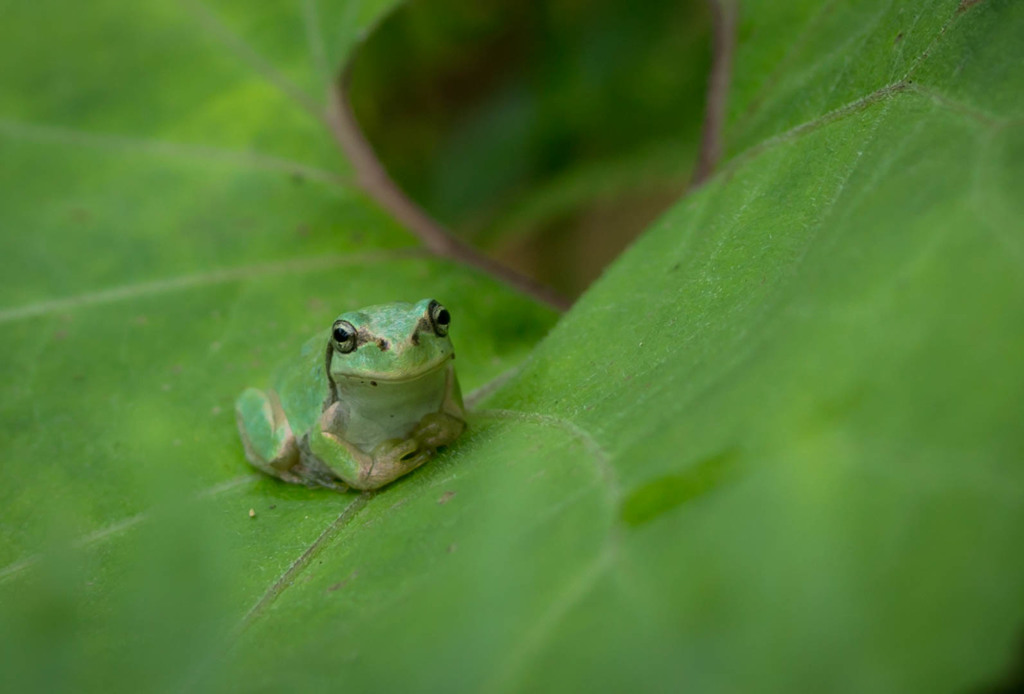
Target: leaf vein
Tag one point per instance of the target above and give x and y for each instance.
(301, 562)
(217, 28)
(21, 131)
(315, 40)
(184, 282)
(590, 444)
(966, 110)
(120, 526)
(533, 641)
(795, 46)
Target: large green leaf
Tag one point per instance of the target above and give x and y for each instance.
(176, 220)
(777, 447)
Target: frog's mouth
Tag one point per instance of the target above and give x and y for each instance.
(390, 379)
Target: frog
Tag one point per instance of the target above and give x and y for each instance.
(367, 401)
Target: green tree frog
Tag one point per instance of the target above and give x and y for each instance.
(368, 402)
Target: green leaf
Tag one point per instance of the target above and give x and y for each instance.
(776, 447)
(179, 219)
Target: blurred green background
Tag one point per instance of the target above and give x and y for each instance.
(548, 133)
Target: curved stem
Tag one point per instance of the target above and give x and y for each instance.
(723, 14)
(375, 181)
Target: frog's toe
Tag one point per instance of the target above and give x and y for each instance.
(266, 435)
(396, 450)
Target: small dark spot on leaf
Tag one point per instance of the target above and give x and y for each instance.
(675, 267)
(342, 584)
(373, 383)
(399, 504)
(81, 215)
(446, 497)
(899, 37)
(648, 501)
(966, 5)
(272, 507)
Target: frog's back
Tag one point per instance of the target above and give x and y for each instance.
(302, 386)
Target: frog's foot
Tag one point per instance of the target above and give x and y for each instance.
(268, 439)
(390, 460)
(396, 457)
(438, 429)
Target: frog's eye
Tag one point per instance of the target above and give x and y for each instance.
(344, 335)
(440, 319)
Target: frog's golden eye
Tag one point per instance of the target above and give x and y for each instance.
(344, 335)
(440, 319)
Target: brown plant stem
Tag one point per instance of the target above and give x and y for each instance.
(375, 181)
(723, 14)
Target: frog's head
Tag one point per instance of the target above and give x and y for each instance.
(389, 343)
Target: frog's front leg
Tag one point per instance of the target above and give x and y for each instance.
(440, 428)
(387, 462)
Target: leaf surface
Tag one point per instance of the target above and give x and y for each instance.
(776, 447)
